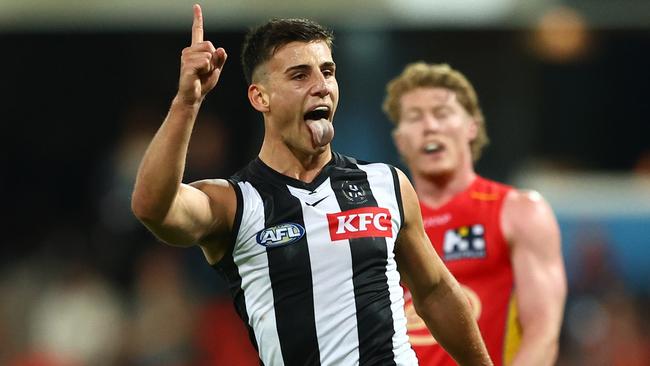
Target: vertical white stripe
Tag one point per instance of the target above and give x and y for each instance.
(331, 268)
(381, 183)
(252, 262)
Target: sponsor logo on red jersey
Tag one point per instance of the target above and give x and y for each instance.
(464, 242)
(360, 223)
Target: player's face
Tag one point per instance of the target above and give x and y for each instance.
(434, 132)
(303, 95)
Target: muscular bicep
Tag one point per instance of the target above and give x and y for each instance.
(540, 281)
(200, 210)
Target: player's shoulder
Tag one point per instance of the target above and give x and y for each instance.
(350, 161)
(372, 168)
(218, 190)
(214, 183)
(515, 199)
(524, 200)
(525, 210)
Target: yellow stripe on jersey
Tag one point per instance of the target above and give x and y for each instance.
(513, 332)
(482, 196)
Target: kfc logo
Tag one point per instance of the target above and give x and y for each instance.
(360, 223)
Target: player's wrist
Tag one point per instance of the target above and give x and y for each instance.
(184, 102)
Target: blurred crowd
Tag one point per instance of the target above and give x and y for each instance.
(606, 321)
(111, 294)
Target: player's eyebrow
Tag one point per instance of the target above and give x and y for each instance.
(305, 67)
(328, 65)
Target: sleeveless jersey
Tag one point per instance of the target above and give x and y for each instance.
(466, 233)
(312, 269)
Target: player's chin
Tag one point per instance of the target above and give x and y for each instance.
(438, 168)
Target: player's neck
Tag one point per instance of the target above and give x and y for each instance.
(436, 190)
(295, 164)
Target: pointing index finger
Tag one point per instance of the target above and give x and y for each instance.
(197, 25)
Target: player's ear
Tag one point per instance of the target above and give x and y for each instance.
(258, 97)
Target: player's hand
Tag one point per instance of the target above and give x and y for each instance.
(201, 64)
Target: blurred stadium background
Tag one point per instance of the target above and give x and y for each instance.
(565, 87)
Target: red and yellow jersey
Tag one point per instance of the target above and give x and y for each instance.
(466, 233)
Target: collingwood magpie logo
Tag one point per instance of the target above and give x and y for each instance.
(280, 235)
(354, 192)
(464, 242)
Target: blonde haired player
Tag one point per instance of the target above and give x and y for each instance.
(501, 244)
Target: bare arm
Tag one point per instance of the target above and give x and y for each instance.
(540, 282)
(437, 297)
(177, 213)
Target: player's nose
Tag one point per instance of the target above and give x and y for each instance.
(322, 87)
(431, 123)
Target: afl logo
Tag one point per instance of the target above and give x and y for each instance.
(354, 192)
(280, 235)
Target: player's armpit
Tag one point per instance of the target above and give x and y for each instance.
(218, 239)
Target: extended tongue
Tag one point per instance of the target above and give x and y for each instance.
(322, 132)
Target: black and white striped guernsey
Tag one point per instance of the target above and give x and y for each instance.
(312, 268)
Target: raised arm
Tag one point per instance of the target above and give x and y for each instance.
(177, 213)
(437, 297)
(540, 282)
